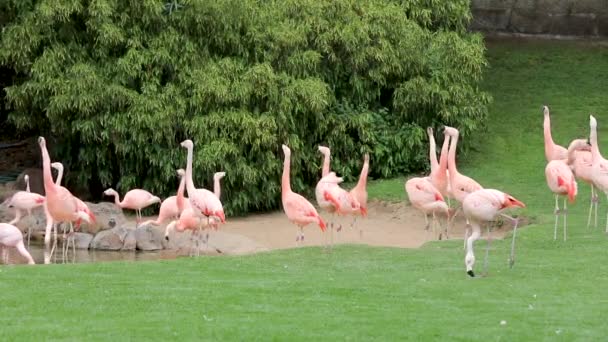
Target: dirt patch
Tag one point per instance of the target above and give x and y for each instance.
(388, 224)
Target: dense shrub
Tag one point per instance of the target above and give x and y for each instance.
(121, 83)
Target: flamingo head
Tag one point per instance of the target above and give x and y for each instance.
(169, 228)
(57, 166)
(545, 111)
(41, 142)
(219, 175)
(187, 144)
(155, 199)
(429, 131)
(26, 178)
(324, 150)
(366, 158)
(580, 145)
(181, 172)
(592, 122)
(286, 150)
(510, 202)
(220, 214)
(451, 131)
(110, 192)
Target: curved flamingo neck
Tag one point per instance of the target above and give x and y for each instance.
(59, 175)
(549, 144)
(326, 160)
(285, 186)
(27, 185)
(189, 183)
(595, 150)
(452, 157)
(443, 158)
(433, 154)
(49, 186)
(217, 190)
(362, 183)
(179, 197)
(116, 198)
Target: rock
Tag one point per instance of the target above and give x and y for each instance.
(82, 240)
(150, 237)
(107, 216)
(218, 243)
(117, 238)
(130, 241)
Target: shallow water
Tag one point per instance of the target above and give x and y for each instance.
(88, 255)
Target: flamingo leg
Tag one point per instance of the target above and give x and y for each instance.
(556, 218)
(469, 259)
(565, 211)
(515, 222)
(4, 255)
(596, 200)
(591, 206)
(489, 240)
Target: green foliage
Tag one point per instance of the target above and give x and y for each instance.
(121, 83)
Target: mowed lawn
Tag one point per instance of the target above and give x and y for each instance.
(556, 290)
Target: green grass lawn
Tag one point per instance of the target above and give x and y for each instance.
(554, 292)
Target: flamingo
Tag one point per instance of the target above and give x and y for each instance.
(552, 150)
(187, 218)
(297, 208)
(81, 205)
(425, 197)
(203, 202)
(135, 199)
(25, 201)
(582, 167)
(10, 236)
(169, 208)
(461, 186)
(599, 169)
(61, 205)
(561, 182)
(439, 170)
(330, 196)
(480, 207)
(359, 192)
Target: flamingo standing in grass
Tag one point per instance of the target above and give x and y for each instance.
(61, 205)
(599, 171)
(426, 198)
(480, 207)
(561, 181)
(359, 193)
(582, 166)
(135, 199)
(11, 236)
(297, 208)
(461, 186)
(552, 150)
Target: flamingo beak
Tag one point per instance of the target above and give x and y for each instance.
(512, 202)
(438, 197)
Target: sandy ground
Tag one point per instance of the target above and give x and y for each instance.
(387, 224)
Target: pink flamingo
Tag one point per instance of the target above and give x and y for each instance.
(480, 207)
(330, 196)
(426, 198)
(168, 208)
(10, 236)
(25, 201)
(439, 170)
(552, 150)
(460, 185)
(582, 166)
(359, 192)
(61, 205)
(81, 205)
(187, 218)
(561, 181)
(135, 199)
(599, 171)
(203, 202)
(297, 208)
